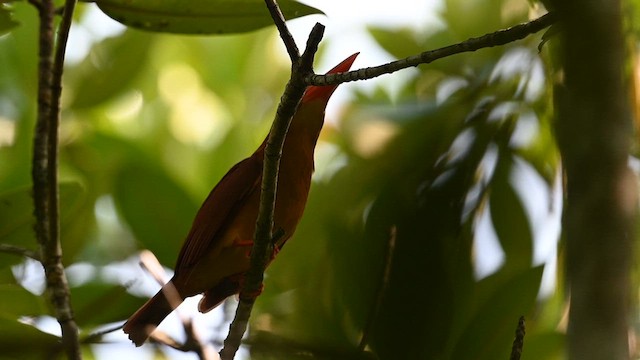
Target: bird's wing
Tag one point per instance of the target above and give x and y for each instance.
(219, 207)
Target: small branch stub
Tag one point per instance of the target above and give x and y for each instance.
(518, 342)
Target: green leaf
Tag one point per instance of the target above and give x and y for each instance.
(16, 217)
(199, 16)
(22, 341)
(470, 18)
(6, 21)
(510, 220)
(16, 301)
(499, 313)
(542, 153)
(16, 214)
(110, 68)
(397, 42)
(99, 303)
(548, 345)
(156, 208)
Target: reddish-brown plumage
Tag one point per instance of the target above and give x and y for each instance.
(214, 256)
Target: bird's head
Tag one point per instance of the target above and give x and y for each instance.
(325, 92)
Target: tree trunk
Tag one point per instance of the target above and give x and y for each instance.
(594, 130)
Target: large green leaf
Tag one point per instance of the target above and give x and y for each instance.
(16, 301)
(199, 16)
(548, 345)
(156, 208)
(510, 219)
(16, 214)
(500, 310)
(22, 341)
(110, 68)
(99, 303)
(6, 22)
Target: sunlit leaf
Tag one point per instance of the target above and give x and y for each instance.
(6, 21)
(401, 43)
(199, 16)
(510, 220)
(471, 18)
(110, 67)
(398, 42)
(542, 153)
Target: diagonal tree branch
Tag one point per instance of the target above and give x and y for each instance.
(500, 37)
(45, 169)
(17, 250)
(286, 36)
(263, 244)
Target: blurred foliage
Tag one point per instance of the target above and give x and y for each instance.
(6, 22)
(151, 122)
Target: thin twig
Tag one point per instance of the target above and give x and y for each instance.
(150, 263)
(95, 336)
(500, 37)
(382, 289)
(287, 38)
(518, 342)
(191, 344)
(263, 246)
(44, 171)
(17, 250)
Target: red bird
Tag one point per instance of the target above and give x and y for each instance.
(213, 258)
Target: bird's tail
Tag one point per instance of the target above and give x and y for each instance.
(144, 321)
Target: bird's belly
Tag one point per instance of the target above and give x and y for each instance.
(231, 254)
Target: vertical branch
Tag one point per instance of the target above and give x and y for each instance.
(594, 132)
(45, 167)
(40, 142)
(263, 245)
